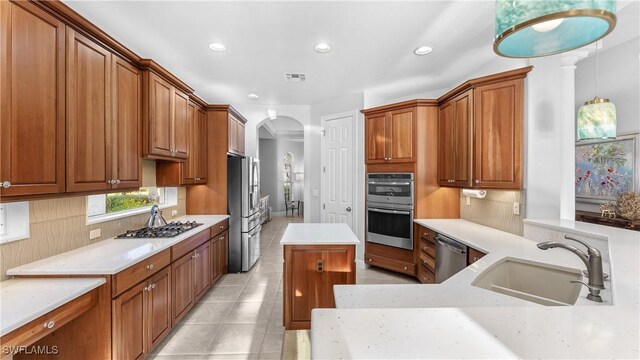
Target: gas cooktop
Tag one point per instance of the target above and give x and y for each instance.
(165, 231)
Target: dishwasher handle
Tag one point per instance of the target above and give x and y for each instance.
(443, 241)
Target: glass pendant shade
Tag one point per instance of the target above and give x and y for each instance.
(597, 120)
(533, 28)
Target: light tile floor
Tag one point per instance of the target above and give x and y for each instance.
(241, 316)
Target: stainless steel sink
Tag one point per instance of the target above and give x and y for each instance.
(540, 283)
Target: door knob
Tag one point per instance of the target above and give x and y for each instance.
(349, 209)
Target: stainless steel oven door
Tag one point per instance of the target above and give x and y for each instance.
(391, 227)
(391, 192)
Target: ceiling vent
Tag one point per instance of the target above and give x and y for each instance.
(295, 77)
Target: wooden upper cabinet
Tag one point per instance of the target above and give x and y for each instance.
(498, 135)
(236, 135)
(462, 135)
(158, 136)
(195, 168)
(32, 101)
(455, 126)
(179, 125)
(103, 118)
(233, 134)
(376, 138)
(446, 148)
(126, 101)
(390, 136)
(484, 125)
(401, 140)
(89, 132)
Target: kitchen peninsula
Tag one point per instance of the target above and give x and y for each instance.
(316, 257)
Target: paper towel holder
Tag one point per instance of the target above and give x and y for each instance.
(480, 194)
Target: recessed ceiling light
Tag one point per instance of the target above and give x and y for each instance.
(322, 48)
(217, 47)
(422, 50)
(253, 96)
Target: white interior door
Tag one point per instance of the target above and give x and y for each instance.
(338, 168)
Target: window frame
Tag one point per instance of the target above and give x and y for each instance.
(171, 200)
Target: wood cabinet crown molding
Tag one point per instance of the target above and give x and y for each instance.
(400, 105)
(228, 108)
(514, 74)
(73, 19)
(149, 64)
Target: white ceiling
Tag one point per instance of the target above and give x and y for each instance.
(372, 44)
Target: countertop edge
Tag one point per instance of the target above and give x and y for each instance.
(54, 305)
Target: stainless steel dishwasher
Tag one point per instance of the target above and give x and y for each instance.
(451, 257)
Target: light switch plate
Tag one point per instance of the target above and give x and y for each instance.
(95, 234)
(516, 208)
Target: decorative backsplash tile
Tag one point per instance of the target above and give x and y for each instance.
(495, 210)
(60, 225)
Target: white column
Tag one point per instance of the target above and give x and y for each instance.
(568, 134)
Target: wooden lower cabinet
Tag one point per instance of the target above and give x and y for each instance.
(202, 271)
(159, 307)
(310, 271)
(141, 317)
(219, 248)
(182, 271)
(474, 255)
(426, 254)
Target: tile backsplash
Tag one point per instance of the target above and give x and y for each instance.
(495, 210)
(59, 225)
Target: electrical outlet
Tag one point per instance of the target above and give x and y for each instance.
(516, 208)
(468, 201)
(95, 234)
(174, 212)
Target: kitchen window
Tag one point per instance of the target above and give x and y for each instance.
(106, 207)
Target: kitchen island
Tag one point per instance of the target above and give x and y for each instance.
(316, 257)
(458, 320)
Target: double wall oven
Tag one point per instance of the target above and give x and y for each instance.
(390, 209)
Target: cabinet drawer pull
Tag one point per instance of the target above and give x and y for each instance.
(405, 268)
(150, 267)
(49, 324)
(477, 181)
(118, 181)
(221, 226)
(370, 260)
(221, 238)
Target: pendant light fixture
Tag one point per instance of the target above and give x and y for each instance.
(533, 28)
(597, 117)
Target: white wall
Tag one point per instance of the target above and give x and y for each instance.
(618, 80)
(269, 170)
(256, 113)
(351, 102)
(543, 138)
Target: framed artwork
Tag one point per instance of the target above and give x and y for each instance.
(606, 168)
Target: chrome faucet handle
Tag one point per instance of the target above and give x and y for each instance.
(590, 249)
(594, 291)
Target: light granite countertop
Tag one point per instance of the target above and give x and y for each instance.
(24, 300)
(108, 257)
(457, 320)
(319, 234)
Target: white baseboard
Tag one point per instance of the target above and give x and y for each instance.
(360, 264)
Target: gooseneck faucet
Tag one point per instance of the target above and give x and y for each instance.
(592, 259)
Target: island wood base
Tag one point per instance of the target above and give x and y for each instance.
(310, 271)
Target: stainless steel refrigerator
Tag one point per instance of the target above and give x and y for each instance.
(243, 200)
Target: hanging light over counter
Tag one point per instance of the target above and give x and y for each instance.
(533, 28)
(597, 117)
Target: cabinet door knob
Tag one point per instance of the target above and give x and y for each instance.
(477, 181)
(153, 286)
(221, 226)
(425, 248)
(150, 267)
(370, 260)
(405, 268)
(49, 324)
(118, 181)
(6, 184)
